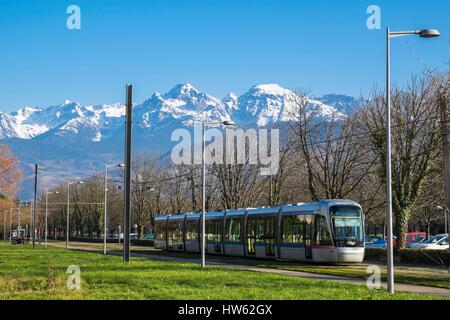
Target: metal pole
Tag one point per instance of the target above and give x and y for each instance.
(67, 217)
(390, 255)
(203, 197)
(18, 218)
(446, 155)
(33, 224)
(10, 225)
(4, 224)
(445, 219)
(46, 217)
(105, 208)
(127, 182)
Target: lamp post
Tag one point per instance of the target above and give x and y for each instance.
(47, 193)
(425, 33)
(19, 213)
(445, 216)
(4, 224)
(105, 217)
(69, 183)
(203, 243)
(10, 224)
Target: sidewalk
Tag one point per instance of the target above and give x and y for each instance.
(400, 287)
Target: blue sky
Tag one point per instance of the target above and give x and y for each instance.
(218, 46)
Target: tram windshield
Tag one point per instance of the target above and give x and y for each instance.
(347, 225)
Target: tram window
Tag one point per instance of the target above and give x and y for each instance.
(260, 234)
(293, 229)
(179, 231)
(307, 226)
(265, 229)
(233, 230)
(213, 229)
(170, 233)
(322, 233)
(287, 229)
(192, 230)
(251, 228)
(159, 231)
(297, 230)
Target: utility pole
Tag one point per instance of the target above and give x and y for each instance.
(425, 33)
(33, 223)
(127, 176)
(390, 253)
(10, 225)
(4, 224)
(443, 105)
(105, 208)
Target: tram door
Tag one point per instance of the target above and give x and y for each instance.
(307, 235)
(251, 236)
(269, 239)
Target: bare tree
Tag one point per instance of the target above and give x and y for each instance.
(415, 144)
(332, 149)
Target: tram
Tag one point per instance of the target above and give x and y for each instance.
(326, 231)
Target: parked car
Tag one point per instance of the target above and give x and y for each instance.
(375, 242)
(437, 242)
(149, 236)
(414, 237)
(18, 236)
(378, 242)
(134, 236)
(410, 237)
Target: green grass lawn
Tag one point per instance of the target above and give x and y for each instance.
(430, 276)
(41, 274)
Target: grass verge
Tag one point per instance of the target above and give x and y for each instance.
(41, 274)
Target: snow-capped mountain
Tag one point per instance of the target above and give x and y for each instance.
(261, 105)
(69, 139)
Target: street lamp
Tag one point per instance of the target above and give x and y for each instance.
(226, 123)
(69, 183)
(120, 165)
(10, 224)
(4, 224)
(445, 216)
(47, 193)
(18, 216)
(426, 33)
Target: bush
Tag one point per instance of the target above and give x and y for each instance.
(407, 255)
(148, 243)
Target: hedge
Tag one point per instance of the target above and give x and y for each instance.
(407, 255)
(144, 243)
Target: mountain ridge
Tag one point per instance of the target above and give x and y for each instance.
(261, 105)
(73, 140)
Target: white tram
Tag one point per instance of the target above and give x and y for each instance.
(329, 231)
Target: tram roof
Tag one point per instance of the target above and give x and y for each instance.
(214, 214)
(299, 207)
(263, 210)
(177, 217)
(344, 202)
(162, 218)
(192, 215)
(236, 212)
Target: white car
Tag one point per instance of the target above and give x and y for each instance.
(438, 242)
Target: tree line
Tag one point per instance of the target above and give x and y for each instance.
(321, 157)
